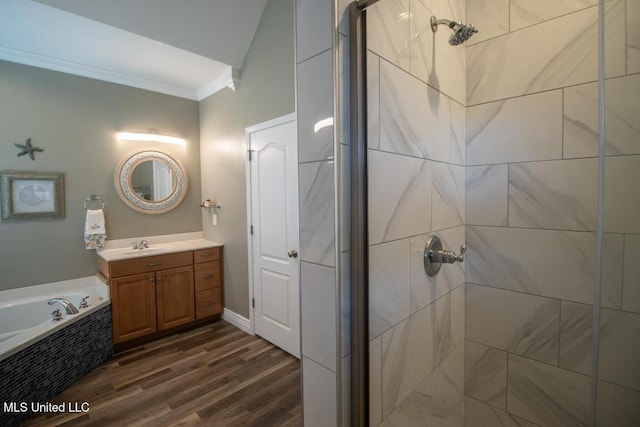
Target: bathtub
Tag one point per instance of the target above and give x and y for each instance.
(40, 357)
(25, 316)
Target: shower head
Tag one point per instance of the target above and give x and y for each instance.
(461, 32)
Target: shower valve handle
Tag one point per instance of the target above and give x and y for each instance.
(435, 256)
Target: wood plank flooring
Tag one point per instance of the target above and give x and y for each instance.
(215, 375)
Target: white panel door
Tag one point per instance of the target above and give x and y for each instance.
(274, 242)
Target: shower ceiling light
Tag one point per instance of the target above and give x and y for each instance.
(150, 137)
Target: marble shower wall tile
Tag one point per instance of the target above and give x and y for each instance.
(388, 31)
(515, 130)
(486, 374)
(478, 414)
(560, 194)
(398, 207)
(547, 395)
(447, 196)
(513, 64)
(526, 13)
(622, 198)
(576, 330)
(317, 201)
(375, 381)
(487, 189)
(581, 126)
(633, 37)
(509, 258)
(433, 60)
(619, 348)
(373, 100)
(389, 285)
(458, 133)
(425, 289)
(438, 400)
(458, 315)
(631, 280)
(318, 296)
(415, 119)
(491, 17)
(519, 323)
(617, 406)
(315, 103)
(407, 358)
(319, 394)
(412, 349)
(313, 28)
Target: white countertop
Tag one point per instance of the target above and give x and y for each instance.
(121, 249)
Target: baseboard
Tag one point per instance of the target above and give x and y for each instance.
(237, 320)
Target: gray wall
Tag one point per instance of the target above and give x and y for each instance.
(266, 91)
(75, 120)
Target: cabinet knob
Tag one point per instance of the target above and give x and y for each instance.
(206, 254)
(154, 264)
(293, 253)
(158, 278)
(207, 276)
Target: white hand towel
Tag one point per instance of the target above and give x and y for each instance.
(95, 232)
(95, 222)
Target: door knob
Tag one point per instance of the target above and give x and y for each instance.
(293, 254)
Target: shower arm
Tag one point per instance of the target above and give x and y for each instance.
(435, 22)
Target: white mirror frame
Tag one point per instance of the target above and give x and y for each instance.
(122, 181)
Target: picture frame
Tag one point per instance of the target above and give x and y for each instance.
(31, 195)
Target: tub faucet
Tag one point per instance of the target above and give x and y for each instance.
(70, 308)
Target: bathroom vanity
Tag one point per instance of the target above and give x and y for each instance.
(162, 287)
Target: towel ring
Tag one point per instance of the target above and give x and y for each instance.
(93, 199)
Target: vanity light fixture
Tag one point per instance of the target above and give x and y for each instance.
(150, 137)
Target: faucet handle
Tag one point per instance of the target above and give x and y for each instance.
(83, 302)
(463, 249)
(56, 315)
(134, 246)
(144, 244)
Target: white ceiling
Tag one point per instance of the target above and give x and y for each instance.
(187, 49)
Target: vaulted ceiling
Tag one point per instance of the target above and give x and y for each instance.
(189, 48)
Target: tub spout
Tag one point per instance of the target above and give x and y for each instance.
(70, 308)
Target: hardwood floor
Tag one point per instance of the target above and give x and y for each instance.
(215, 375)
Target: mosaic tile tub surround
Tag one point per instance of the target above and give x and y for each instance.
(41, 371)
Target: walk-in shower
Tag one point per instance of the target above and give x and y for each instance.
(460, 141)
(461, 32)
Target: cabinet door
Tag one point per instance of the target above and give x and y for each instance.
(133, 304)
(175, 297)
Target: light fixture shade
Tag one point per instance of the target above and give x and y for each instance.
(150, 137)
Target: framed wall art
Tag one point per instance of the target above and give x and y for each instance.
(31, 195)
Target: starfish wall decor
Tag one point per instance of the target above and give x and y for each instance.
(27, 148)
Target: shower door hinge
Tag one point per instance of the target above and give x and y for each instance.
(250, 154)
(251, 230)
(253, 302)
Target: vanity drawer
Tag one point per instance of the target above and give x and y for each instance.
(207, 275)
(151, 263)
(206, 255)
(208, 303)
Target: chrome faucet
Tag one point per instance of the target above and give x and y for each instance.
(144, 244)
(70, 308)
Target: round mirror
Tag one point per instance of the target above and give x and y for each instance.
(151, 181)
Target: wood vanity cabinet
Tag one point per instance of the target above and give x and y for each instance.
(156, 293)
